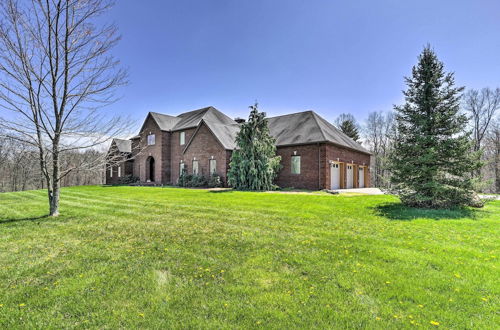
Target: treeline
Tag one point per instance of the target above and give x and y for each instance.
(20, 167)
(483, 110)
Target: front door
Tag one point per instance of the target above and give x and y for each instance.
(349, 176)
(151, 169)
(335, 176)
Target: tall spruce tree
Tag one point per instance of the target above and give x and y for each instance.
(349, 128)
(254, 164)
(432, 160)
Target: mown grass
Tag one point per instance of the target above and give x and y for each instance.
(136, 257)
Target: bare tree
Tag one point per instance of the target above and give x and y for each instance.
(481, 106)
(19, 167)
(492, 154)
(56, 75)
(378, 137)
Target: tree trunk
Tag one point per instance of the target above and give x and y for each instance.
(56, 183)
(497, 171)
(54, 199)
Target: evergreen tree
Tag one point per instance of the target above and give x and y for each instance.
(254, 164)
(349, 128)
(432, 160)
(348, 125)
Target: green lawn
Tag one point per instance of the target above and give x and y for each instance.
(138, 257)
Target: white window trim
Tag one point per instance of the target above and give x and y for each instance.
(153, 138)
(197, 167)
(214, 169)
(119, 171)
(182, 138)
(300, 164)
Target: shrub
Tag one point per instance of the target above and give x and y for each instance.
(192, 181)
(214, 181)
(184, 179)
(128, 179)
(197, 181)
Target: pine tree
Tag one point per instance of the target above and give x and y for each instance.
(254, 164)
(349, 128)
(432, 160)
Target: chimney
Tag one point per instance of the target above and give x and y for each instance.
(239, 120)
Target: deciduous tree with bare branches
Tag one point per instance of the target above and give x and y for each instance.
(56, 75)
(481, 106)
(378, 133)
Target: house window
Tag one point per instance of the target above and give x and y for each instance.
(295, 164)
(213, 166)
(151, 139)
(195, 167)
(111, 171)
(119, 171)
(182, 137)
(182, 168)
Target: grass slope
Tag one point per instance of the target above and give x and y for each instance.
(131, 257)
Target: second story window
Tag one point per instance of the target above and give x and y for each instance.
(182, 138)
(295, 164)
(151, 139)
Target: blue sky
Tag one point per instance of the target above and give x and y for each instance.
(326, 55)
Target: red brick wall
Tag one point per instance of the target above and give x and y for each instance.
(203, 147)
(142, 151)
(309, 160)
(166, 154)
(126, 169)
(176, 153)
(313, 176)
(346, 156)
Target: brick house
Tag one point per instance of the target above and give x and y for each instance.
(314, 153)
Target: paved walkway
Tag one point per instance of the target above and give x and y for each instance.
(486, 196)
(368, 191)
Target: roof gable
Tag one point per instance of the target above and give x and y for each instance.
(193, 118)
(122, 145)
(224, 134)
(164, 122)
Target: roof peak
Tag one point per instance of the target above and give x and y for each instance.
(204, 109)
(294, 113)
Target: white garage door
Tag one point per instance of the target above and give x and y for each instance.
(361, 177)
(335, 176)
(349, 176)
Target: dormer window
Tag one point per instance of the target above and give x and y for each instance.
(151, 139)
(182, 138)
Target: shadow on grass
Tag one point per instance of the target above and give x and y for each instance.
(11, 220)
(223, 190)
(398, 211)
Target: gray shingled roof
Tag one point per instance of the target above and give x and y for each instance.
(194, 118)
(190, 119)
(165, 122)
(123, 145)
(297, 128)
(308, 127)
(226, 134)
